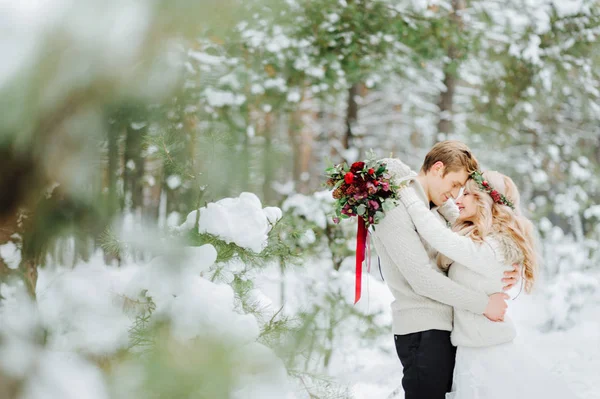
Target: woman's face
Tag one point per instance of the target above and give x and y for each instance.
(467, 206)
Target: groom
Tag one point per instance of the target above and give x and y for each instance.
(424, 296)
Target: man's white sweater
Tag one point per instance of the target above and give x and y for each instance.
(424, 295)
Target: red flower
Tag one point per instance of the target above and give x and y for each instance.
(371, 171)
(349, 177)
(357, 166)
(495, 196)
(485, 183)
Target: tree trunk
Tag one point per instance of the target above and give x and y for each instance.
(134, 167)
(245, 165)
(351, 116)
(308, 119)
(112, 200)
(446, 101)
(10, 387)
(598, 150)
(294, 126)
(446, 105)
(113, 168)
(30, 275)
(152, 192)
(268, 164)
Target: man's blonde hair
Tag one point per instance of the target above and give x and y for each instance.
(455, 156)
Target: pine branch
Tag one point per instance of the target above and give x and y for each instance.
(274, 251)
(111, 244)
(319, 386)
(141, 335)
(164, 143)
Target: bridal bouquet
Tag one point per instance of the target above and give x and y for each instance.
(364, 190)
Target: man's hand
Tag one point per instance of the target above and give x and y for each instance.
(496, 307)
(512, 277)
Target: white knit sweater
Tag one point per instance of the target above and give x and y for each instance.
(424, 295)
(478, 265)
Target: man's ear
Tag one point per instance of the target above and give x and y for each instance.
(438, 168)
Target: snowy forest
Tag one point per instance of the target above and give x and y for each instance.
(165, 230)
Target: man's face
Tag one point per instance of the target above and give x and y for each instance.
(442, 188)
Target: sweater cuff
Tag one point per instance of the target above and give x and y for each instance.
(409, 196)
(449, 211)
(479, 308)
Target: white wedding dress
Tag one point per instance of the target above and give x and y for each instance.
(505, 371)
(490, 364)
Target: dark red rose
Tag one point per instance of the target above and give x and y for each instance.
(349, 177)
(357, 166)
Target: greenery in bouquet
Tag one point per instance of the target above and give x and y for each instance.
(364, 189)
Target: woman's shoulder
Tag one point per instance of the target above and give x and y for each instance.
(505, 248)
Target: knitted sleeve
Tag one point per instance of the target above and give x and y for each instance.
(482, 257)
(399, 238)
(449, 211)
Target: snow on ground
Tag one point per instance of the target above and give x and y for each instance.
(573, 355)
(373, 371)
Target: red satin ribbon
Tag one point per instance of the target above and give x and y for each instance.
(361, 242)
(368, 252)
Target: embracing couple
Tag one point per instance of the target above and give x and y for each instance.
(447, 264)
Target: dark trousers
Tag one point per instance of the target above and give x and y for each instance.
(428, 360)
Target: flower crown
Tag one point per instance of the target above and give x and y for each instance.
(498, 198)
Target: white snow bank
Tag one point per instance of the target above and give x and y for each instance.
(241, 220)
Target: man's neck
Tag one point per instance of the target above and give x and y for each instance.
(422, 179)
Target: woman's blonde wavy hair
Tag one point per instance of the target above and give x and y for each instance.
(497, 218)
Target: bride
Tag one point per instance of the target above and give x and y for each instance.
(489, 235)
